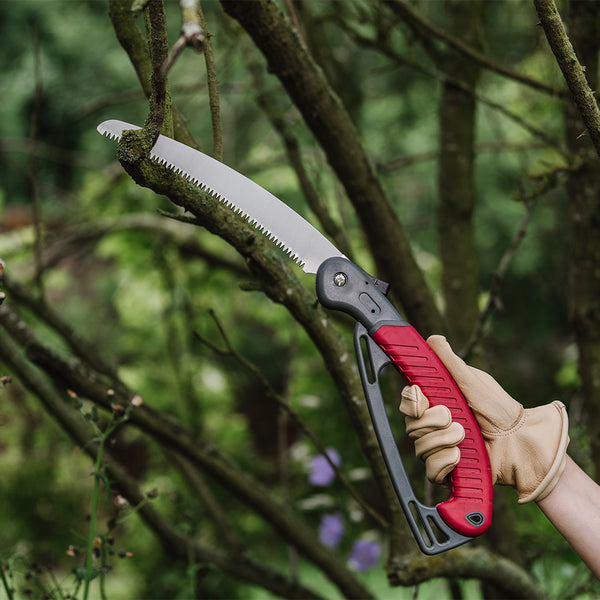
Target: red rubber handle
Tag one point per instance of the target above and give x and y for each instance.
(469, 509)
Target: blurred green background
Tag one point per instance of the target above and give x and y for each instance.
(139, 295)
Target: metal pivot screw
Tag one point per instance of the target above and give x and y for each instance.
(340, 279)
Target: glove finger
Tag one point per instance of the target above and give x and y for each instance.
(433, 419)
(413, 402)
(438, 440)
(440, 464)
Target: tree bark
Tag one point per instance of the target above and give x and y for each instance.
(174, 542)
(329, 122)
(583, 190)
(575, 73)
(456, 178)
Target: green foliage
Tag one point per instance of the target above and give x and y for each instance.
(180, 317)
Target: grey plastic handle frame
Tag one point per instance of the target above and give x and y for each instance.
(431, 533)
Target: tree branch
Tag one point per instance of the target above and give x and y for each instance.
(175, 543)
(160, 99)
(572, 70)
(472, 561)
(403, 9)
(132, 41)
(295, 417)
(329, 122)
(75, 376)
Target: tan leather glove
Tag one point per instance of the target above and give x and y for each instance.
(527, 447)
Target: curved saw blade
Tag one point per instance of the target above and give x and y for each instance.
(263, 210)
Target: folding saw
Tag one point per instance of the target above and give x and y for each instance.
(381, 338)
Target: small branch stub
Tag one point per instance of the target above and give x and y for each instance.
(192, 34)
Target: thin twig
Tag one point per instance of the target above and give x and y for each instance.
(213, 88)
(403, 9)
(191, 33)
(401, 162)
(230, 351)
(379, 43)
(176, 50)
(493, 301)
(31, 166)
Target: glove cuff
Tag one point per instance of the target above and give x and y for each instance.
(557, 467)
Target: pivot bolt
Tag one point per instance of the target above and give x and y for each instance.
(340, 279)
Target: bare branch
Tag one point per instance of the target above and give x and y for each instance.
(572, 70)
(175, 543)
(76, 376)
(493, 301)
(295, 417)
(402, 8)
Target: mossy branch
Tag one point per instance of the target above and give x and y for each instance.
(330, 123)
(131, 39)
(82, 380)
(510, 579)
(175, 543)
(573, 71)
(159, 114)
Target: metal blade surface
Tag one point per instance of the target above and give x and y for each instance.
(266, 212)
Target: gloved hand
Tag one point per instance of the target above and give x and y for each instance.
(527, 447)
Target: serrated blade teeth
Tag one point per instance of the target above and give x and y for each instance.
(286, 228)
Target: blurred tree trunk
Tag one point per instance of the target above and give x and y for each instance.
(457, 199)
(583, 189)
(325, 115)
(456, 175)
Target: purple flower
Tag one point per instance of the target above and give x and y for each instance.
(364, 555)
(322, 473)
(331, 530)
